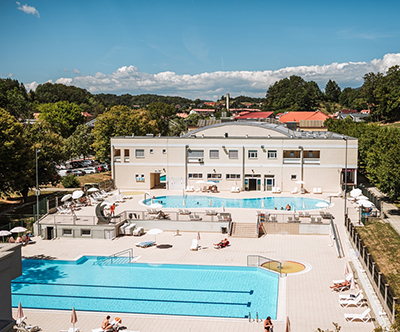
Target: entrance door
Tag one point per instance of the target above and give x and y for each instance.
(49, 231)
(252, 184)
(269, 183)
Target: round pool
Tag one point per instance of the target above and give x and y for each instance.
(209, 202)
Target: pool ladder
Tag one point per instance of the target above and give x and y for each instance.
(256, 317)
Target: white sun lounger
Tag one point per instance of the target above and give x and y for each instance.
(356, 301)
(349, 296)
(364, 317)
(195, 245)
(348, 278)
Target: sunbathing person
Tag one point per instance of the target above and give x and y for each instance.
(162, 215)
(105, 325)
(222, 244)
(340, 285)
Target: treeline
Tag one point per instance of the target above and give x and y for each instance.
(378, 152)
(380, 93)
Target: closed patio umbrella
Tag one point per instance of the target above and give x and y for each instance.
(20, 314)
(74, 319)
(287, 328)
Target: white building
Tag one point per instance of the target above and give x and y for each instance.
(249, 155)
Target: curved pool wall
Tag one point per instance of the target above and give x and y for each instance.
(167, 289)
(209, 202)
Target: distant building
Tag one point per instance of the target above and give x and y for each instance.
(182, 115)
(308, 121)
(203, 111)
(254, 115)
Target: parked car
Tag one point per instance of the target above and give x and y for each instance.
(64, 172)
(100, 168)
(78, 172)
(106, 167)
(90, 170)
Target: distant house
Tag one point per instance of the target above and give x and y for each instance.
(203, 111)
(210, 103)
(353, 114)
(182, 115)
(359, 117)
(236, 111)
(344, 113)
(254, 115)
(308, 121)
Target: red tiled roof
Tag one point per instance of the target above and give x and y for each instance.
(255, 115)
(297, 116)
(348, 111)
(203, 110)
(365, 112)
(182, 115)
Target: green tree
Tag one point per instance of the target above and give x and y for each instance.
(63, 117)
(367, 91)
(70, 181)
(80, 142)
(161, 113)
(120, 121)
(192, 119)
(387, 95)
(14, 99)
(332, 91)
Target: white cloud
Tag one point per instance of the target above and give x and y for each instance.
(10, 75)
(28, 9)
(76, 71)
(31, 86)
(129, 79)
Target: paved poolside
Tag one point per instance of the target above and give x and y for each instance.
(305, 298)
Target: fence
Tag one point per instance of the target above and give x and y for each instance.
(9, 221)
(371, 196)
(268, 263)
(377, 278)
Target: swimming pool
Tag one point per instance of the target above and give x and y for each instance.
(197, 201)
(188, 290)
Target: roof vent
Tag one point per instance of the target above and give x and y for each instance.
(226, 135)
(133, 134)
(202, 135)
(247, 135)
(149, 135)
(159, 135)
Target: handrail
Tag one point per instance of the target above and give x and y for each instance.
(335, 238)
(257, 260)
(110, 259)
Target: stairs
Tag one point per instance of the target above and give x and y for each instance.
(244, 229)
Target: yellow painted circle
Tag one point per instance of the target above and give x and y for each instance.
(287, 266)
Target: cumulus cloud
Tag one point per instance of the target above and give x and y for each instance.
(28, 9)
(129, 79)
(76, 71)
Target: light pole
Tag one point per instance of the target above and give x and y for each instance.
(37, 184)
(301, 166)
(345, 181)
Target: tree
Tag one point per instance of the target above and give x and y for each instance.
(63, 117)
(387, 95)
(120, 121)
(332, 91)
(367, 91)
(161, 113)
(80, 142)
(192, 119)
(13, 98)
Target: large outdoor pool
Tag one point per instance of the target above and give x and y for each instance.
(271, 202)
(192, 290)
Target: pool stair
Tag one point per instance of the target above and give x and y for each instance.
(121, 257)
(244, 229)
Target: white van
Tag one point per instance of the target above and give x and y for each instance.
(64, 172)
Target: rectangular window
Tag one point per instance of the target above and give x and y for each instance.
(232, 176)
(117, 155)
(67, 231)
(139, 177)
(252, 154)
(139, 153)
(195, 175)
(86, 232)
(126, 155)
(272, 154)
(214, 176)
(214, 154)
(233, 154)
(293, 177)
(195, 156)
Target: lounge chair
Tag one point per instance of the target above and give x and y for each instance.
(211, 213)
(325, 215)
(221, 245)
(319, 219)
(129, 229)
(289, 219)
(145, 244)
(302, 191)
(312, 219)
(315, 190)
(296, 219)
(195, 217)
(349, 296)
(273, 219)
(348, 278)
(356, 301)
(304, 214)
(364, 317)
(187, 189)
(235, 190)
(122, 228)
(184, 211)
(339, 194)
(195, 245)
(138, 231)
(295, 190)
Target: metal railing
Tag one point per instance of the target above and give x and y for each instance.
(121, 257)
(377, 278)
(336, 239)
(265, 262)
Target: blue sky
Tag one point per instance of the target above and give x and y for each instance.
(195, 48)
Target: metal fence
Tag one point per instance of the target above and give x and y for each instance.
(376, 277)
(265, 262)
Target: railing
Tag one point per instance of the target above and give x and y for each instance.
(265, 262)
(336, 239)
(117, 258)
(377, 278)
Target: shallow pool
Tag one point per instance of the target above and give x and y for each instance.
(271, 202)
(192, 290)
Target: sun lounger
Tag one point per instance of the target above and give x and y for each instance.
(129, 229)
(138, 231)
(348, 278)
(325, 215)
(184, 211)
(195, 245)
(122, 228)
(315, 190)
(364, 317)
(235, 190)
(211, 213)
(101, 330)
(349, 296)
(356, 301)
(189, 189)
(302, 191)
(304, 214)
(194, 217)
(289, 219)
(145, 244)
(295, 190)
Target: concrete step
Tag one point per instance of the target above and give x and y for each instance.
(244, 229)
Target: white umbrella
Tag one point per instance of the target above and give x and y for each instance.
(4, 233)
(210, 183)
(355, 192)
(322, 204)
(200, 181)
(361, 198)
(74, 319)
(66, 197)
(18, 229)
(77, 194)
(155, 231)
(346, 269)
(156, 206)
(367, 204)
(92, 190)
(300, 182)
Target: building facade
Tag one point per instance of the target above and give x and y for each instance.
(250, 155)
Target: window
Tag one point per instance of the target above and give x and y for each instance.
(232, 176)
(195, 156)
(214, 176)
(67, 231)
(233, 154)
(291, 154)
(117, 155)
(272, 154)
(151, 151)
(86, 232)
(293, 177)
(214, 154)
(252, 154)
(139, 177)
(126, 155)
(195, 175)
(164, 151)
(139, 153)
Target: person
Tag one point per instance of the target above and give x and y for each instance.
(281, 207)
(340, 285)
(72, 207)
(288, 207)
(112, 210)
(116, 324)
(162, 215)
(276, 208)
(19, 240)
(11, 240)
(105, 325)
(268, 326)
(222, 244)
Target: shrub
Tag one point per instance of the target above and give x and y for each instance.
(70, 181)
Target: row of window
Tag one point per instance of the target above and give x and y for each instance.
(139, 153)
(213, 176)
(232, 154)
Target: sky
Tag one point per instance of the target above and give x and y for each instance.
(196, 49)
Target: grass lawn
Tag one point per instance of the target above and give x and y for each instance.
(94, 178)
(383, 243)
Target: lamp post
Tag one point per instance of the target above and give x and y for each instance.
(37, 184)
(345, 181)
(301, 164)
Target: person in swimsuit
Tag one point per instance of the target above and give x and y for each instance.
(106, 324)
(268, 324)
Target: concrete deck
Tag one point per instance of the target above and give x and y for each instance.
(306, 298)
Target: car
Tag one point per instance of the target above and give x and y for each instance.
(100, 168)
(64, 172)
(78, 172)
(106, 167)
(90, 170)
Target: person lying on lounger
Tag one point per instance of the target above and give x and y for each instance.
(162, 215)
(340, 285)
(222, 244)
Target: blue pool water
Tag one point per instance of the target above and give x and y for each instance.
(192, 290)
(197, 201)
